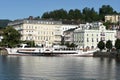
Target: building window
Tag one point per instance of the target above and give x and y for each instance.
(27, 38)
(49, 38)
(92, 40)
(102, 34)
(97, 39)
(44, 38)
(87, 39)
(92, 47)
(41, 22)
(103, 38)
(52, 33)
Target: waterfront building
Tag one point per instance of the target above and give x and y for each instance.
(118, 34)
(112, 18)
(87, 35)
(68, 35)
(42, 32)
(67, 27)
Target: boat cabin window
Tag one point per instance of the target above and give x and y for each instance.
(27, 46)
(21, 46)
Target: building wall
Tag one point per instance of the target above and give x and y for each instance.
(68, 36)
(112, 18)
(87, 38)
(67, 27)
(91, 38)
(118, 34)
(39, 31)
(111, 35)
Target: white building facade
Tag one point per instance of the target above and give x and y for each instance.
(42, 32)
(67, 27)
(112, 18)
(39, 31)
(68, 35)
(88, 37)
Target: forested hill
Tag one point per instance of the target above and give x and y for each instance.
(84, 15)
(4, 22)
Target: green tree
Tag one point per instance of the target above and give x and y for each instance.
(45, 15)
(74, 14)
(101, 45)
(109, 45)
(94, 15)
(77, 14)
(71, 14)
(11, 37)
(89, 15)
(86, 14)
(117, 44)
(62, 14)
(104, 10)
(107, 24)
(37, 18)
(67, 44)
(73, 45)
(3, 23)
(56, 14)
(29, 43)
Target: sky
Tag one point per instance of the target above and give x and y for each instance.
(19, 9)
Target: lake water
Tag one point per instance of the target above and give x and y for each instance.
(58, 68)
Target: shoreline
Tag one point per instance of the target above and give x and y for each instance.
(3, 51)
(107, 54)
(52, 55)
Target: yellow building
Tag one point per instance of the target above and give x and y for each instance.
(42, 32)
(112, 18)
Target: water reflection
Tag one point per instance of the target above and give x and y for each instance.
(58, 68)
(9, 68)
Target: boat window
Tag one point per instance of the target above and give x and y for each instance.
(27, 46)
(19, 46)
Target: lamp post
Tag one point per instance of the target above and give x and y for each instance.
(1, 37)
